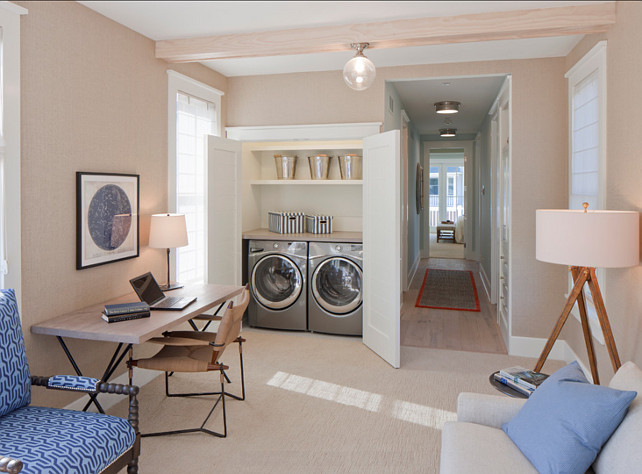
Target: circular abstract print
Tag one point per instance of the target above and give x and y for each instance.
(110, 217)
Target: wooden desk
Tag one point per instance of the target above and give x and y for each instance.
(87, 323)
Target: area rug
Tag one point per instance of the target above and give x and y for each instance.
(448, 289)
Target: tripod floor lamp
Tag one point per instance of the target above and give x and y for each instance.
(168, 231)
(586, 240)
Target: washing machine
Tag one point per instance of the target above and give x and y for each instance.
(277, 271)
(335, 291)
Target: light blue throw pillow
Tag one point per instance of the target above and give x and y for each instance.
(563, 425)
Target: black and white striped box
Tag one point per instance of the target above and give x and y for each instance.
(318, 224)
(286, 222)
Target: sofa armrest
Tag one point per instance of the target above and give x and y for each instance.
(489, 410)
(12, 466)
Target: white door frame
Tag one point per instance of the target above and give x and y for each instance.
(404, 202)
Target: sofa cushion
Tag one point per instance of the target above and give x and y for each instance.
(62, 441)
(470, 447)
(618, 454)
(15, 382)
(565, 422)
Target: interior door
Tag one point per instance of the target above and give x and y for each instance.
(382, 245)
(224, 257)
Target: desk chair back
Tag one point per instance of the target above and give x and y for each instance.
(230, 328)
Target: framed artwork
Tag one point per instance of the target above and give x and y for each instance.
(419, 187)
(106, 218)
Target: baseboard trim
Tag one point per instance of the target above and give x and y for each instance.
(485, 281)
(532, 347)
(413, 271)
(108, 400)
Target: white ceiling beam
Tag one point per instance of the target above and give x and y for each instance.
(573, 20)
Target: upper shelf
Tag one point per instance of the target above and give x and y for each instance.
(297, 182)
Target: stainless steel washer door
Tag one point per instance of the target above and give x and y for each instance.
(336, 285)
(276, 282)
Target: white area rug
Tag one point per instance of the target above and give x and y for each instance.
(316, 404)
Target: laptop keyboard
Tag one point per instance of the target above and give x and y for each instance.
(171, 301)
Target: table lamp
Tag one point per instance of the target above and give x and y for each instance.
(586, 240)
(168, 231)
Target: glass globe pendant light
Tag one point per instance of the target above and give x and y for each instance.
(359, 73)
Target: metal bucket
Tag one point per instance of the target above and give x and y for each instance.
(319, 166)
(350, 166)
(285, 166)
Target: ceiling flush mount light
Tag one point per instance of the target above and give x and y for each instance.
(447, 107)
(359, 73)
(447, 132)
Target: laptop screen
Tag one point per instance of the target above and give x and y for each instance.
(147, 289)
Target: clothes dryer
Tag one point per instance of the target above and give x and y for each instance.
(277, 272)
(335, 292)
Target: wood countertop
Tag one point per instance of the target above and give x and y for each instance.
(265, 234)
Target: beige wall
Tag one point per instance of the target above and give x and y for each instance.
(624, 177)
(539, 149)
(94, 98)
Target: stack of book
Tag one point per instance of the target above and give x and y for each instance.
(125, 311)
(520, 379)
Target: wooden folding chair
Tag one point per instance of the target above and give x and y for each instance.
(188, 351)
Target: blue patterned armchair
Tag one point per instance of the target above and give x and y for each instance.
(52, 440)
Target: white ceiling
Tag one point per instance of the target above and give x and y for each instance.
(476, 95)
(161, 20)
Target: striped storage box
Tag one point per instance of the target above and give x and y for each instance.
(286, 222)
(318, 224)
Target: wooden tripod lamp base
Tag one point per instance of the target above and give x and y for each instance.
(582, 276)
(586, 240)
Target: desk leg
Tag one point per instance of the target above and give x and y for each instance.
(111, 367)
(92, 396)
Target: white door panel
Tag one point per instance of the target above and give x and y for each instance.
(223, 211)
(382, 245)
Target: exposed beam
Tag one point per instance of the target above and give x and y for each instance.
(573, 20)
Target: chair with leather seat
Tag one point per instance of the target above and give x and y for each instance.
(189, 351)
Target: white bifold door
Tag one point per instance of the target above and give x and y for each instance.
(224, 236)
(382, 245)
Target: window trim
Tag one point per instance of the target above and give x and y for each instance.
(594, 60)
(10, 14)
(178, 82)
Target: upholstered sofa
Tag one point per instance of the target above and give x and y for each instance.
(476, 442)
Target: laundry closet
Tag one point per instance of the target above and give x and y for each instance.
(292, 275)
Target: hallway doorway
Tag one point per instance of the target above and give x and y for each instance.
(450, 329)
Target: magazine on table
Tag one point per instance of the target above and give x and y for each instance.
(525, 377)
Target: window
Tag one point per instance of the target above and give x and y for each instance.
(10, 252)
(587, 147)
(195, 119)
(194, 113)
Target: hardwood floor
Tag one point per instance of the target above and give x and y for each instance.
(449, 329)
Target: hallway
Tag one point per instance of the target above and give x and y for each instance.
(449, 329)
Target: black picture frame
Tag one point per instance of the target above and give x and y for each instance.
(107, 218)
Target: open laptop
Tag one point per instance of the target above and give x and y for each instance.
(148, 291)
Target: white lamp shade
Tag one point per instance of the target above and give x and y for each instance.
(167, 231)
(604, 239)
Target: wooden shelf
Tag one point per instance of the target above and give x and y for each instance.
(306, 182)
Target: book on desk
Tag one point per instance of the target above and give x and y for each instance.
(125, 311)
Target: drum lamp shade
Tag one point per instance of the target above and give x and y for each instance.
(598, 239)
(167, 231)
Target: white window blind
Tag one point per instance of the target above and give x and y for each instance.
(195, 118)
(585, 146)
(587, 154)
